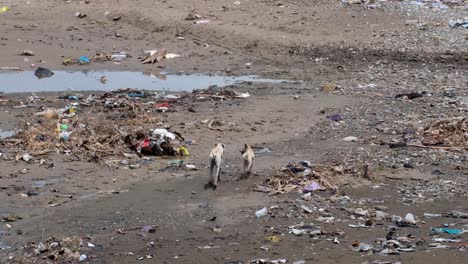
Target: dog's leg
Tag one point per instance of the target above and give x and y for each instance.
(211, 172)
(246, 167)
(220, 162)
(250, 167)
(215, 176)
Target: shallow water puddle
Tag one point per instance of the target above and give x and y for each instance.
(26, 81)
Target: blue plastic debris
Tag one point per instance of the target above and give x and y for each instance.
(450, 231)
(83, 60)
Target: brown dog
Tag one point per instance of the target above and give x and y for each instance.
(216, 160)
(248, 156)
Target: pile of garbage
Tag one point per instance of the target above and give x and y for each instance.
(450, 132)
(129, 125)
(67, 250)
(305, 178)
(89, 138)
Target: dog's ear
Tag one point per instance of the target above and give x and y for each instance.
(222, 145)
(245, 146)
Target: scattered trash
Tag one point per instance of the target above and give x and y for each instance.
(202, 21)
(258, 151)
(427, 215)
(217, 229)
(218, 93)
(80, 15)
(450, 93)
(363, 247)
(411, 96)
(437, 172)
(4, 9)
(409, 218)
(329, 87)
(26, 157)
(118, 57)
(190, 167)
(64, 135)
(242, 95)
(354, 2)
(84, 60)
(298, 176)
(163, 133)
(193, 16)
(358, 226)
(11, 218)
(457, 214)
(261, 213)
(299, 262)
(83, 257)
(27, 53)
(305, 230)
(408, 221)
(448, 231)
(11, 69)
(69, 61)
(335, 117)
(149, 229)
(458, 22)
(273, 239)
(350, 139)
(439, 239)
(267, 261)
(163, 107)
(182, 151)
(313, 186)
(171, 56)
(397, 145)
(159, 147)
(307, 209)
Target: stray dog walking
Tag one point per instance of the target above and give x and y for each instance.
(248, 157)
(216, 160)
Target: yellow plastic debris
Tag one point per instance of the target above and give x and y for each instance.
(183, 151)
(3, 9)
(273, 239)
(67, 61)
